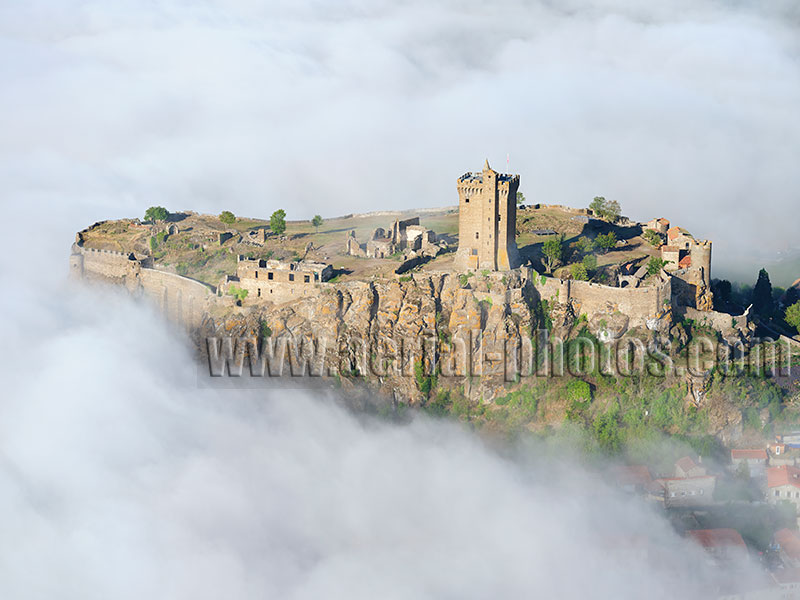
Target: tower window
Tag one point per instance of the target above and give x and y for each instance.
(269, 275)
(477, 235)
(466, 200)
(291, 276)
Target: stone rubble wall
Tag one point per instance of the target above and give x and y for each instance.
(638, 304)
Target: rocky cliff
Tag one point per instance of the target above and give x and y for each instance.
(398, 333)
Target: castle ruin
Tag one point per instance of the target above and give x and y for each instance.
(277, 281)
(689, 261)
(405, 235)
(487, 221)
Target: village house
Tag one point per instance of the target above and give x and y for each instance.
(723, 545)
(691, 486)
(791, 439)
(783, 484)
(677, 492)
(634, 479)
(781, 454)
(788, 581)
(686, 467)
(755, 459)
(788, 543)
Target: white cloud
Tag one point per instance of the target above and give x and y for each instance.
(120, 478)
(688, 111)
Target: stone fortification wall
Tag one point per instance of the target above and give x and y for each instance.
(181, 299)
(716, 320)
(107, 264)
(638, 304)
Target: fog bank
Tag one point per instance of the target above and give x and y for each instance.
(687, 110)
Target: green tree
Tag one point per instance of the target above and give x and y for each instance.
(584, 245)
(578, 391)
(608, 210)
(579, 272)
(655, 264)
(596, 205)
(723, 291)
(606, 241)
(653, 238)
(762, 295)
(156, 213)
(227, 217)
(317, 222)
(792, 315)
(239, 293)
(520, 198)
(425, 383)
(553, 251)
(606, 429)
(590, 262)
(277, 222)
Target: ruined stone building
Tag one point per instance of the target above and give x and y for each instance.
(659, 225)
(487, 221)
(689, 262)
(404, 235)
(278, 281)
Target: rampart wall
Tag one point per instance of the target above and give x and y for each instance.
(715, 320)
(100, 263)
(180, 298)
(638, 304)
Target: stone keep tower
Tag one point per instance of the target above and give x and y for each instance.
(487, 221)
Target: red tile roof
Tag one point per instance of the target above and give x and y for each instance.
(748, 454)
(632, 475)
(789, 542)
(783, 475)
(660, 484)
(686, 261)
(686, 463)
(675, 231)
(716, 538)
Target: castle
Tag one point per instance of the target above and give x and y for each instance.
(487, 221)
(629, 297)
